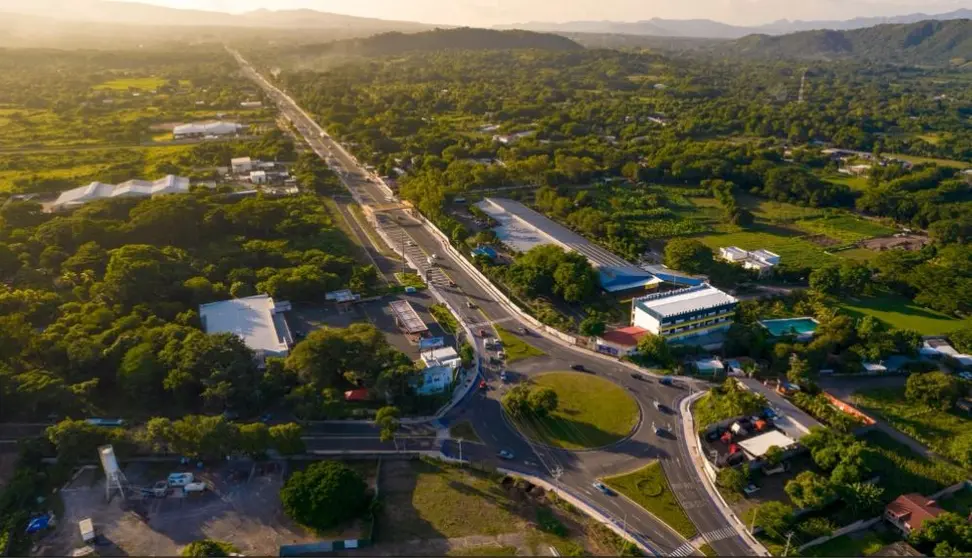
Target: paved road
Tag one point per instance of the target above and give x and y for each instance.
(576, 471)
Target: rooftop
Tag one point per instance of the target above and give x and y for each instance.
(790, 419)
(914, 509)
(255, 319)
(169, 184)
(757, 446)
(680, 301)
(206, 128)
(625, 336)
(406, 316)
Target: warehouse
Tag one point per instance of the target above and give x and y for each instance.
(206, 129)
(521, 228)
(170, 184)
(257, 320)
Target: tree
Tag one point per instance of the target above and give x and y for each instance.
(864, 498)
(592, 326)
(810, 490)
(253, 439)
(774, 517)
(542, 401)
(734, 478)
(949, 528)
(655, 348)
(688, 255)
(826, 280)
(203, 437)
(932, 389)
(286, 438)
(799, 372)
(208, 548)
(324, 495)
(773, 456)
(516, 400)
(140, 373)
(387, 420)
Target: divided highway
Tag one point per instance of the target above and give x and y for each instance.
(574, 471)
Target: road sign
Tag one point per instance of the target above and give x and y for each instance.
(431, 343)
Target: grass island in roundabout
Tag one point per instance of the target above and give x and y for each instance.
(591, 412)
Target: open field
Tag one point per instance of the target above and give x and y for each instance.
(846, 228)
(862, 543)
(792, 247)
(903, 314)
(516, 348)
(946, 433)
(857, 254)
(591, 412)
(648, 487)
(941, 162)
(124, 84)
(903, 471)
(853, 182)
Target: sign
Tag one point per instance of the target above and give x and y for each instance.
(431, 343)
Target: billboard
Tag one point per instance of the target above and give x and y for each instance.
(431, 343)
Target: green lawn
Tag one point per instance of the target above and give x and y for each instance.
(855, 544)
(944, 432)
(846, 228)
(465, 431)
(445, 318)
(941, 162)
(648, 487)
(857, 254)
(124, 84)
(903, 314)
(903, 471)
(516, 348)
(591, 412)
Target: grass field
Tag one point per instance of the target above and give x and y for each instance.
(853, 182)
(857, 254)
(124, 84)
(864, 543)
(941, 162)
(648, 487)
(591, 412)
(516, 348)
(792, 248)
(445, 318)
(944, 432)
(465, 431)
(903, 471)
(844, 227)
(903, 314)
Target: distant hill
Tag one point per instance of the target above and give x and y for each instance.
(465, 38)
(926, 42)
(707, 28)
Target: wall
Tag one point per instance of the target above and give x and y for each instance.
(849, 409)
(852, 528)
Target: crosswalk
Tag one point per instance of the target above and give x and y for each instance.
(718, 535)
(684, 550)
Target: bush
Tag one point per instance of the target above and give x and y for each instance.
(325, 494)
(548, 522)
(208, 547)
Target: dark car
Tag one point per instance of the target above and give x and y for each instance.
(578, 367)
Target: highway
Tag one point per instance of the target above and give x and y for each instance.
(574, 471)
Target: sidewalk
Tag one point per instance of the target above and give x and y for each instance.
(698, 461)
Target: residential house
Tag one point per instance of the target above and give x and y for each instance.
(909, 511)
(258, 177)
(620, 342)
(761, 261)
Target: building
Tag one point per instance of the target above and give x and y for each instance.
(761, 261)
(709, 366)
(170, 184)
(241, 165)
(257, 320)
(407, 319)
(432, 380)
(909, 511)
(790, 419)
(620, 342)
(258, 177)
(521, 228)
(206, 129)
(251, 104)
(757, 446)
(684, 313)
(443, 356)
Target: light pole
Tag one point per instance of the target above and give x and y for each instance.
(460, 452)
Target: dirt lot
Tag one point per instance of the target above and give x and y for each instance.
(243, 508)
(898, 241)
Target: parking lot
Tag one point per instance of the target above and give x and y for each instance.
(242, 507)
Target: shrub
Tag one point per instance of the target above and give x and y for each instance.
(326, 494)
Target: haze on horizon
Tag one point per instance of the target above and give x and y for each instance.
(494, 12)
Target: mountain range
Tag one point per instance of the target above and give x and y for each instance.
(707, 28)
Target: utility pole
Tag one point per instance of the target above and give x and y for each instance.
(460, 453)
(402, 231)
(787, 549)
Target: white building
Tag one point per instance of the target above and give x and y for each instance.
(251, 104)
(258, 177)
(435, 379)
(170, 184)
(204, 129)
(241, 165)
(257, 320)
(443, 356)
(684, 313)
(761, 261)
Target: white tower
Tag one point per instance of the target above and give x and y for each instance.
(114, 477)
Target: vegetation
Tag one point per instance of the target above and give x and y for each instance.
(516, 348)
(208, 548)
(903, 314)
(725, 402)
(948, 534)
(867, 543)
(445, 318)
(648, 487)
(325, 494)
(590, 412)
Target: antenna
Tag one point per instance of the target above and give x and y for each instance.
(114, 477)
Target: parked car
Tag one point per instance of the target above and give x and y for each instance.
(750, 490)
(505, 454)
(503, 376)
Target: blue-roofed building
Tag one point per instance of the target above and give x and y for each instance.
(521, 228)
(684, 313)
(484, 251)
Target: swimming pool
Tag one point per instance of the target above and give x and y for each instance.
(791, 326)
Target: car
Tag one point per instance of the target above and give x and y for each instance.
(524, 331)
(578, 367)
(505, 454)
(601, 486)
(659, 430)
(482, 384)
(469, 304)
(750, 490)
(666, 381)
(657, 405)
(639, 376)
(503, 376)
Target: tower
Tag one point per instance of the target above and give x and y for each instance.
(114, 477)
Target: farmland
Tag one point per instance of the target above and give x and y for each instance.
(126, 83)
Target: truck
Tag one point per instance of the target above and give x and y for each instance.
(88, 534)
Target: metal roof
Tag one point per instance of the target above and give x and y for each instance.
(407, 318)
(253, 319)
(681, 301)
(758, 445)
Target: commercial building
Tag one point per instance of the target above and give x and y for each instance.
(757, 446)
(432, 380)
(521, 228)
(170, 184)
(407, 318)
(620, 342)
(257, 320)
(241, 165)
(684, 313)
(443, 356)
(206, 129)
(761, 261)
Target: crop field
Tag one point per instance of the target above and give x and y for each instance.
(844, 227)
(126, 83)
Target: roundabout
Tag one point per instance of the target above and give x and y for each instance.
(591, 413)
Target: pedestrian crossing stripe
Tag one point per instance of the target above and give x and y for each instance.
(724, 533)
(684, 550)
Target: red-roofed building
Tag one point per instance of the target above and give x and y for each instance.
(360, 394)
(908, 511)
(620, 342)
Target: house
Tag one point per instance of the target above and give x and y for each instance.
(258, 177)
(170, 184)
(909, 511)
(761, 261)
(432, 380)
(206, 129)
(620, 342)
(257, 320)
(684, 313)
(241, 165)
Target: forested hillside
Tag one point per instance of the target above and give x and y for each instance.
(926, 42)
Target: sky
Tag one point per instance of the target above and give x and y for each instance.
(493, 12)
